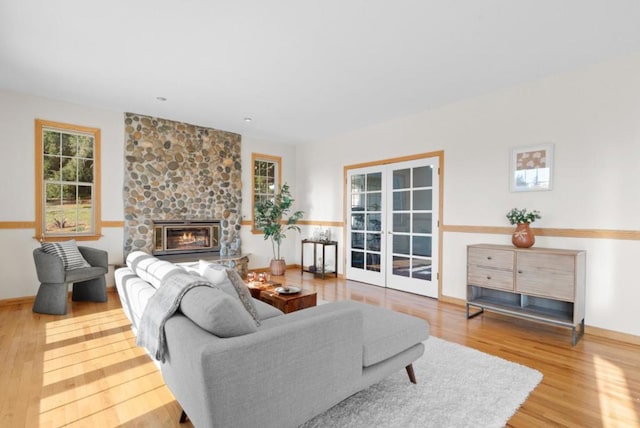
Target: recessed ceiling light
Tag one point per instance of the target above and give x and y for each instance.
(161, 99)
(248, 119)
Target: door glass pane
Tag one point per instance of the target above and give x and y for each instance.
(422, 176)
(422, 200)
(357, 259)
(421, 269)
(357, 183)
(357, 221)
(374, 201)
(422, 246)
(401, 266)
(357, 240)
(401, 222)
(402, 178)
(422, 222)
(373, 242)
(374, 223)
(373, 262)
(401, 244)
(401, 201)
(374, 182)
(357, 202)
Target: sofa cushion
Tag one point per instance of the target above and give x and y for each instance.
(243, 293)
(68, 252)
(150, 268)
(217, 275)
(217, 312)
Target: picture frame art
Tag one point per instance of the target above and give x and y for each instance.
(531, 168)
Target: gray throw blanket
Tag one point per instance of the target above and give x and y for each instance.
(161, 306)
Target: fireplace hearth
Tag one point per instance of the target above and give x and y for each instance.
(186, 236)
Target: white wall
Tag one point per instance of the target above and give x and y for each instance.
(259, 250)
(592, 118)
(17, 145)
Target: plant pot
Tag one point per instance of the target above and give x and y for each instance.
(278, 267)
(523, 236)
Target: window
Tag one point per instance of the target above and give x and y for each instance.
(266, 178)
(67, 181)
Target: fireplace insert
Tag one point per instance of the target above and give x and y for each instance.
(186, 236)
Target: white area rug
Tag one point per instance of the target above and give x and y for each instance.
(457, 387)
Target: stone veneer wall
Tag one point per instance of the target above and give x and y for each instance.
(177, 171)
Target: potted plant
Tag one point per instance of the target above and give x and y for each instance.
(274, 219)
(523, 236)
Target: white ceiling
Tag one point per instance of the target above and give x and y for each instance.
(303, 70)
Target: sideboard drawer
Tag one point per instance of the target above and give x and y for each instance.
(491, 258)
(492, 278)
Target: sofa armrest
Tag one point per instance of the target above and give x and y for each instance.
(95, 257)
(281, 376)
(49, 267)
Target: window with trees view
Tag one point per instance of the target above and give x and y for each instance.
(68, 181)
(266, 178)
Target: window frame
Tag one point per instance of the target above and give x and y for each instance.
(277, 161)
(40, 226)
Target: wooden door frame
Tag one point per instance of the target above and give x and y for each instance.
(436, 154)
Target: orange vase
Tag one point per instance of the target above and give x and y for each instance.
(523, 236)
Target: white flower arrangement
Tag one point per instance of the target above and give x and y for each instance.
(516, 216)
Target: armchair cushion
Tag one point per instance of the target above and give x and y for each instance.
(68, 252)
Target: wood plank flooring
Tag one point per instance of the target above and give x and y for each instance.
(83, 369)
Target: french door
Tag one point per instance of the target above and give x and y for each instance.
(392, 226)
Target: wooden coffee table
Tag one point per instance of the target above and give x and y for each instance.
(289, 302)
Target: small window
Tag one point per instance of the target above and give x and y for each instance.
(67, 181)
(266, 179)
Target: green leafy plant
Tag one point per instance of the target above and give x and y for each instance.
(273, 218)
(516, 216)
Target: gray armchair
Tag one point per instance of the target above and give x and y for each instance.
(88, 283)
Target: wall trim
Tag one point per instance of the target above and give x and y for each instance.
(306, 223)
(633, 235)
(113, 223)
(32, 224)
(17, 224)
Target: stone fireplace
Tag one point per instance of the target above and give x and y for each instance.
(180, 172)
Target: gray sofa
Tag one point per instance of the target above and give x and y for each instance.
(290, 369)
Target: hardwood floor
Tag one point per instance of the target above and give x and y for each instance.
(83, 369)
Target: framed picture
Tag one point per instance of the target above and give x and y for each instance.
(531, 168)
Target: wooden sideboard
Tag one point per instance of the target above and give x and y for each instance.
(541, 284)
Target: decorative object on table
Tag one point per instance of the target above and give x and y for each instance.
(269, 216)
(285, 289)
(531, 168)
(523, 235)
